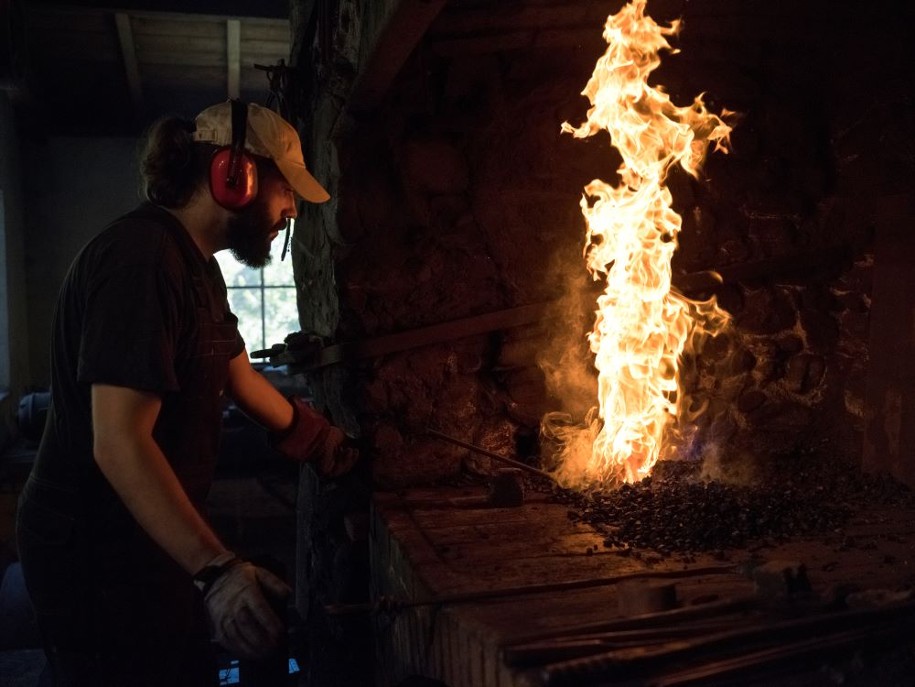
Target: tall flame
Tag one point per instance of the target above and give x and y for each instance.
(643, 326)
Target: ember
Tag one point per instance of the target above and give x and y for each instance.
(675, 511)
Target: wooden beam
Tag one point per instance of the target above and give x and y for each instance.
(129, 56)
(233, 56)
(404, 31)
(42, 16)
(307, 358)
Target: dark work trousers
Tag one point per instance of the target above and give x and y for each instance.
(112, 610)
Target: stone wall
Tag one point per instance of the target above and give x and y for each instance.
(456, 196)
(459, 196)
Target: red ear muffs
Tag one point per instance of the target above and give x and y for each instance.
(232, 189)
(233, 174)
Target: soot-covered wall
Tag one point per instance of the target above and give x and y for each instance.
(458, 196)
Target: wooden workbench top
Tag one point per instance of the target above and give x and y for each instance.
(505, 576)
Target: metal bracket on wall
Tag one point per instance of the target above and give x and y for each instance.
(310, 354)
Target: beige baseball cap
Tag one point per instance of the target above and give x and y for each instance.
(268, 135)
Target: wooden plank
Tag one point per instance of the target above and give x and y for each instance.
(90, 26)
(193, 26)
(129, 55)
(187, 59)
(233, 57)
(205, 60)
(150, 29)
(468, 632)
(277, 32)
(178, 76)
(255, 50)
(182, 45)
(462, 553)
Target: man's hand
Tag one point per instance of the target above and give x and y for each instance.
(239, 604)
(337, 456)
(312, 439)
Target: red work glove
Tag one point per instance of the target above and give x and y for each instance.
(312, 439)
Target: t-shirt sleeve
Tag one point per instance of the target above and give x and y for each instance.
(239, 345)
(130, 328)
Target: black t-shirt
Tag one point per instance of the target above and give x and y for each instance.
(140, 308)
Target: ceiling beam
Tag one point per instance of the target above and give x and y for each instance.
(129, 57)
(233, 57)
(404, 31)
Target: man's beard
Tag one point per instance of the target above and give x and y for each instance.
(248, 235)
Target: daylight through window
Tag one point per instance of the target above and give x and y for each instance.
(263, 299)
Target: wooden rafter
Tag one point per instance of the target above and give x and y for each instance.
(129, 57)
(404, 31)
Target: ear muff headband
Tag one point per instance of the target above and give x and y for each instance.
(239, 133)
(233, 174)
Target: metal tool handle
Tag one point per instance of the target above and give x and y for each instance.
(491, 454)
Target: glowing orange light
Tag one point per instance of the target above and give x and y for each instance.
(643, 326)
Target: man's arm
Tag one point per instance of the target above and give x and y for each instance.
(257, 397)
(131, 460)
(299, 432)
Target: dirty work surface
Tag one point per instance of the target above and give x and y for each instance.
(531, 596)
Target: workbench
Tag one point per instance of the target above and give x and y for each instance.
(478, 596)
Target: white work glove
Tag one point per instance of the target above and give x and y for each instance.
(238, 598)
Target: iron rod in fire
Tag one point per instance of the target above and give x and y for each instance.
(491, 454)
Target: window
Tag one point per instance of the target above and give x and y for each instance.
(262, 299)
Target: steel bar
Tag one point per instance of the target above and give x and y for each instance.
(566, 648)
(491, 454)
(776, 660)
(628, 663)
(713, 609)
(403, 341)
(387, 604)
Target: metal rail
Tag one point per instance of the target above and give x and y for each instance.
(492, 454)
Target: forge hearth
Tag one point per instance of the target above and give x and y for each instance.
(457, 198)
(478, 596)
(456, 202)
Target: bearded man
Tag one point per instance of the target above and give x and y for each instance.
(128, 580)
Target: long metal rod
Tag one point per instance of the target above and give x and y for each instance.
(491, 454)
(349, 351)
(648, 620)
(628, 663)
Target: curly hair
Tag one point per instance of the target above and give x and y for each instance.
(172, 165)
